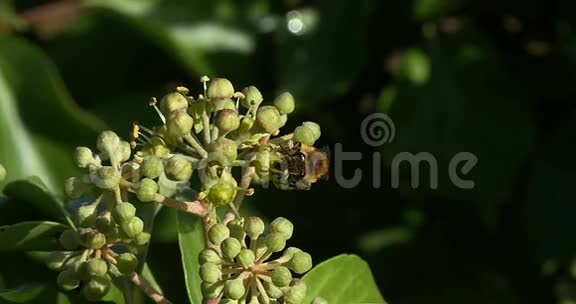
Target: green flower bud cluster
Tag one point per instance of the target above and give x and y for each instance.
(237, 266)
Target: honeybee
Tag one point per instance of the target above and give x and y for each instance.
(298, 166)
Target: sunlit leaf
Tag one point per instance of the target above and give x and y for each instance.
(39, 236)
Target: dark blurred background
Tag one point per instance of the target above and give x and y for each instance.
(496, 79)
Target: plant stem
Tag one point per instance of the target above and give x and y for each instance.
(206, 127)
(193, 141)
(195, 207)
(152, 293)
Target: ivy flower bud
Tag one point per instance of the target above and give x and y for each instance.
(123, 212)
(133, 227)
(319, 300)
(95, 240)
(210, 273)
(281, 276)
(124, 151)
(57, 259)
(282, 226)
(226, 146)
(107, 142)
(74, 188)
(234, 289)
(220, 88)
(211, 290)
(284, 103)
(87, 215)
(230, 248)
(252, 97)
(142, 238)
(126, 263)
(209, 255)
(2, 173)
(68, 279)
(237, 229)
(227, 120)
(314, 127)
(105, 177)
(254, 227)
(300, 262)
(218, 233)
(105, 223)
(268, 118)
(178, 168)
(69, 239)
(224, 104)
(221, 194)
(172, 102)
(246, 257)
(147, 189)
(152, 166)
(296, 293)
(83, 157)
(179, 124)
(156, 146)
(304, 135)
(96, 267)
(96, 288)
(289, 253)
(283, 120)
(275, 241)
(272, 291)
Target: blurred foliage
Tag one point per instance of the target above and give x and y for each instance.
(492, 78)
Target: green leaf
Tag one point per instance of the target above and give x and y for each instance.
(344, 279)
(28, 236)
(149, 277)
(32, 191)
(22, 294)
(191, 241)
(429, 9)
(32, 99)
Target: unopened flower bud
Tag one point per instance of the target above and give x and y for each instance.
(69, 239)
(87, 215)
(172, 102)
(57, 259)
(105, 223)
(95, 240)
(230, 248)
(74, 187)
(107, 142)
(96, 267)
(151, 167)
(179, 124)
(272, 291)
(221, 194)
(234, 289)
(142, 238)
(223, 104)
(314, 127)
(218, 233)
(319, 300)
(254, 227)
(178, 168)
(284, 103)
(83, 157)
(133, 227)
(123, 212)
(252, 97)
(147, 189)
(237, 229)
(227, 120)
(156, 146)
(226, 146)
(300, 262)
(211, 290)
(275, 241)
(304, 135)
(96, 288)
(105, 177)
(246, 257)
(296, 293)
(281, 276)
(282, 226)
(126, 263)
(268, 118)
(220, 88)
(289, 253)
(283, 120)
(68, 279)
(124, 151)
(210, 273)
(209, 255)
